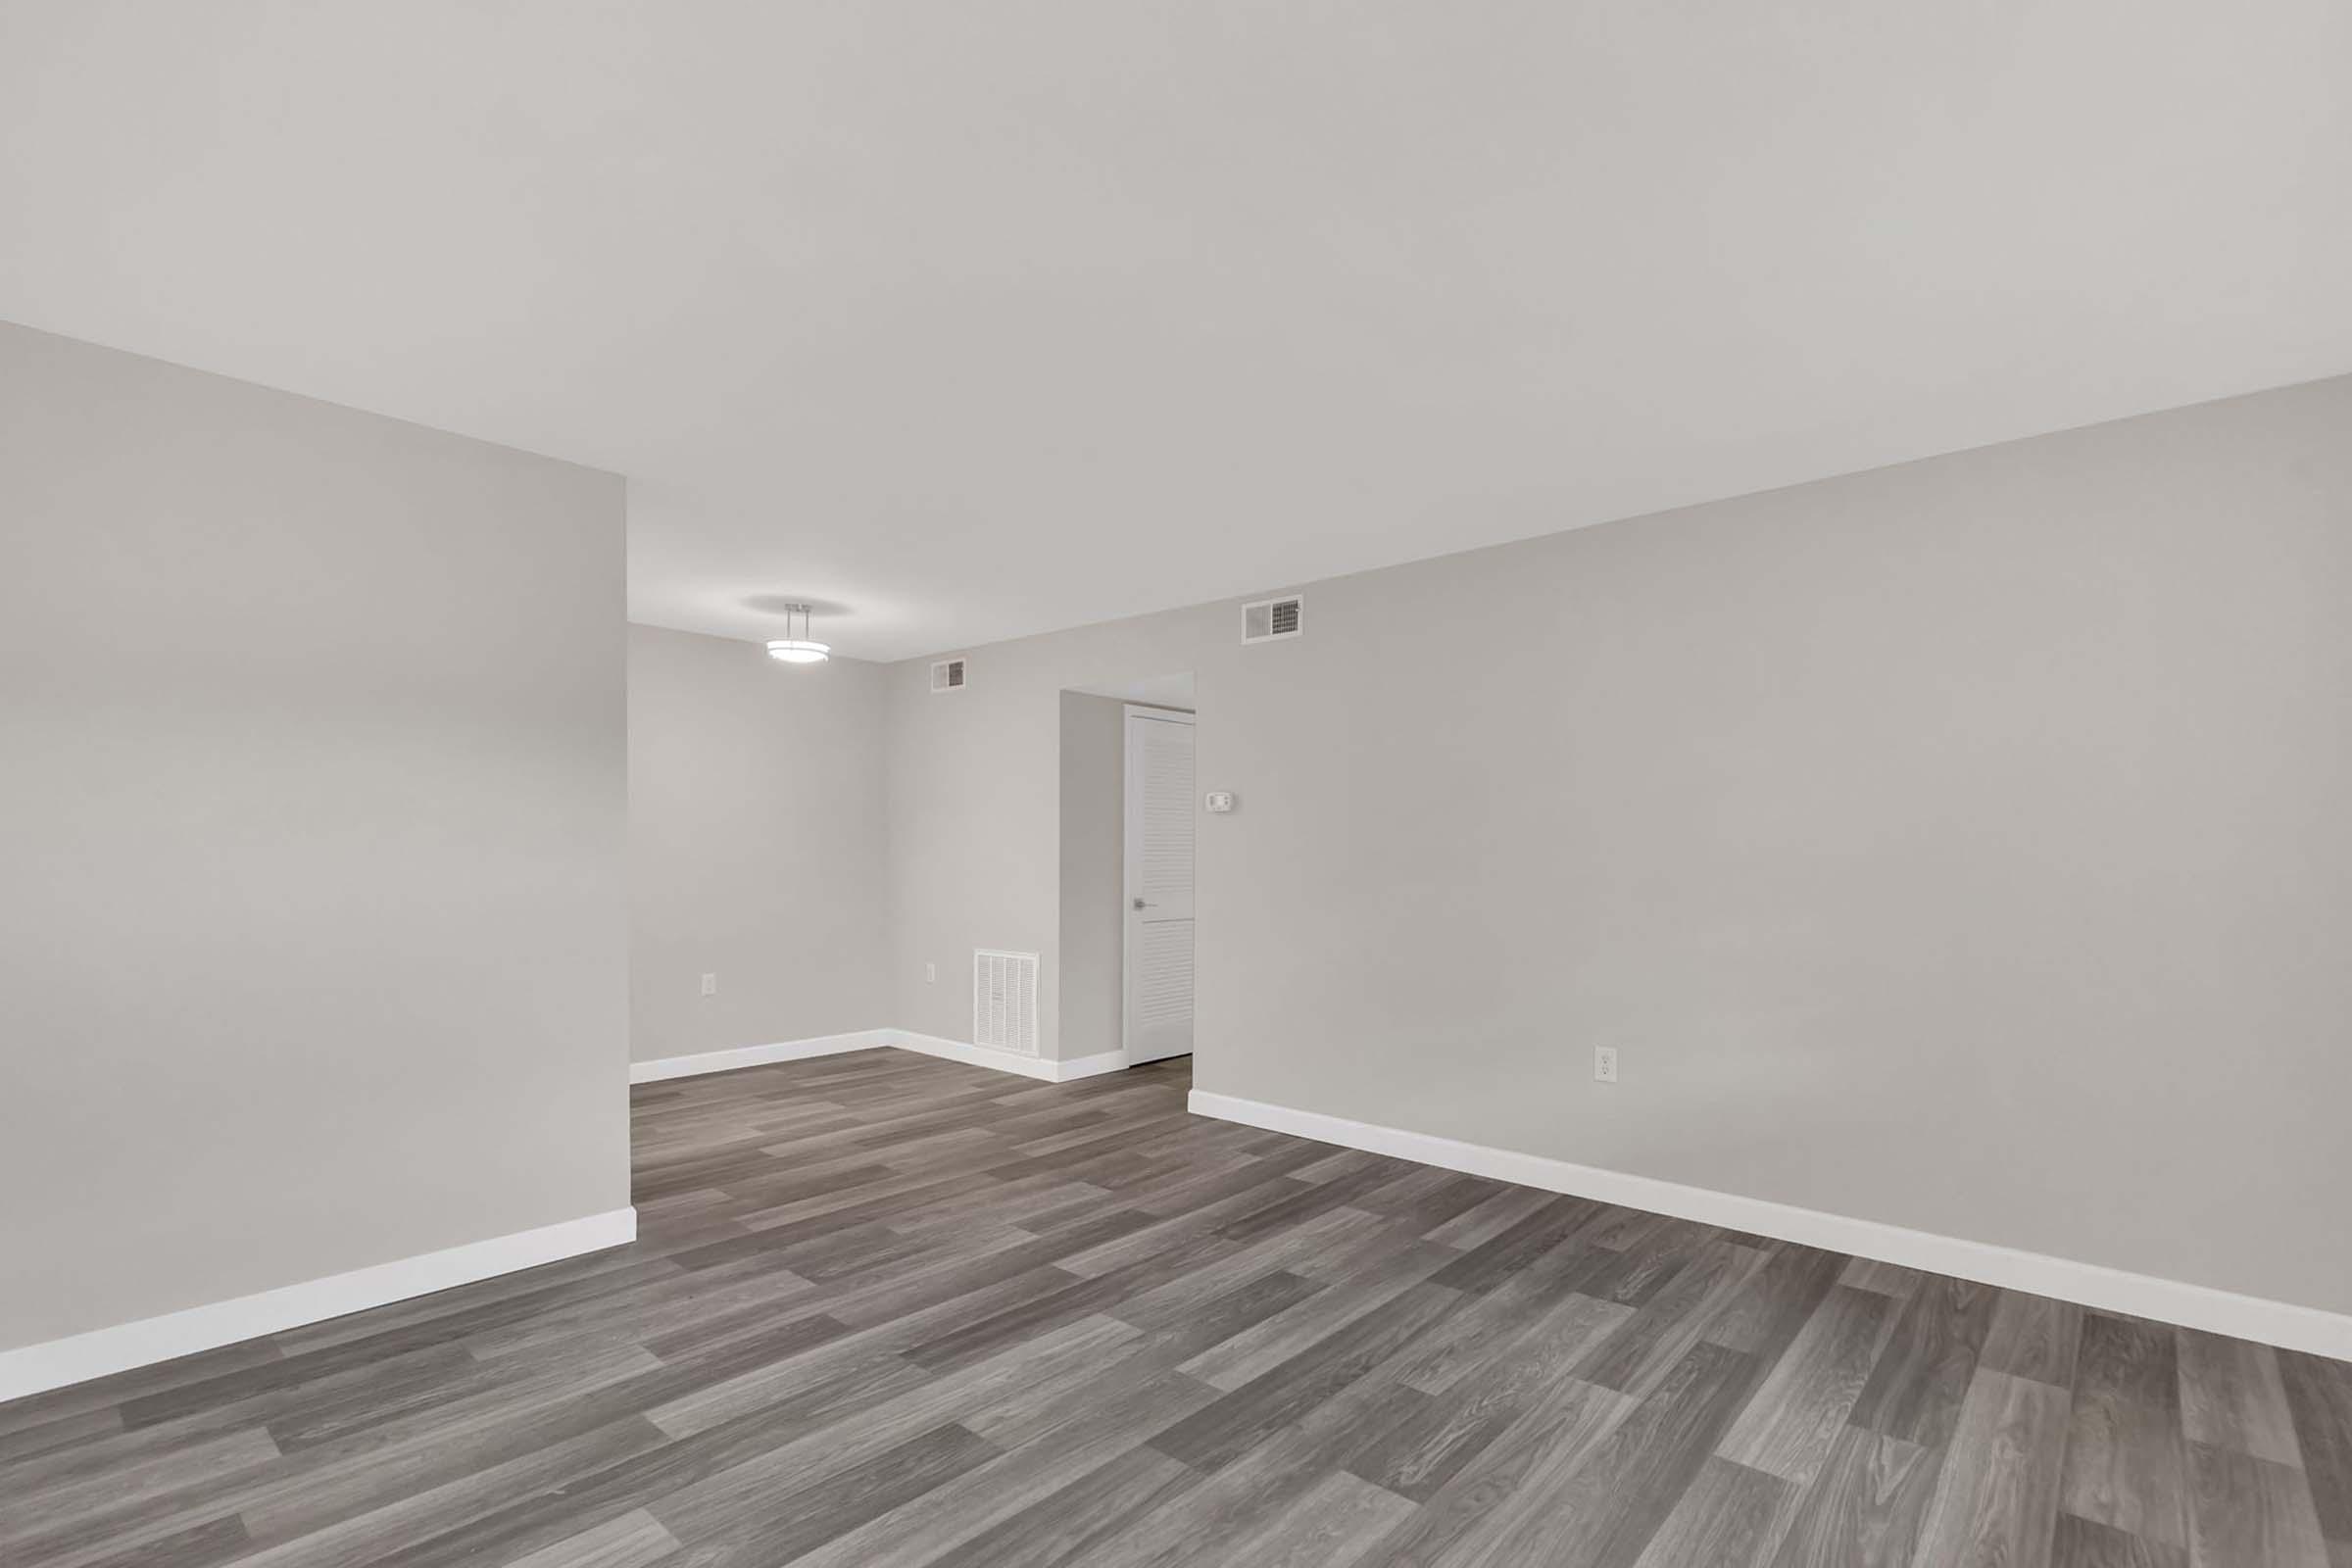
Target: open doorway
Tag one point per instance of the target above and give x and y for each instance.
(1128, 805)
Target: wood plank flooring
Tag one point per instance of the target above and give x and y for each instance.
(892, 1310)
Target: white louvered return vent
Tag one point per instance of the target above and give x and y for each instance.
(1004, 1000)
(1272, 618)
(947, 675)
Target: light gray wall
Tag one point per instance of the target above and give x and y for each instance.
(312, 921)
(757, 821)
(976, 814)
(1094, 872)
(1961, 844)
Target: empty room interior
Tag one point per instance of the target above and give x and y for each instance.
(1148, 786)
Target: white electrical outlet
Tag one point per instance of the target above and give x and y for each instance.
(709, 985)
(1605, 1064)
(930, 973)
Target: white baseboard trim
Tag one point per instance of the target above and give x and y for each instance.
(1070, 1067)
(1039, 1068)
(647, 1072)
(2196, 1306)
(37, 1368)
(1052, 1072)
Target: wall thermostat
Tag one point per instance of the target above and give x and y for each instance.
(1220, 800)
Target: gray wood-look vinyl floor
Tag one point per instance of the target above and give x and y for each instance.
(892, 1310)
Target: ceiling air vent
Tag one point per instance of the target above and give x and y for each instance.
(1004, 1000)
(1270, 619)
(947, 675)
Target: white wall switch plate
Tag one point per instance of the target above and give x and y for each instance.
(930, 973)
(1605, 1064)
(1219, 800)
(709, 985)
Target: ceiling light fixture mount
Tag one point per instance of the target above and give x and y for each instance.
(801, 650)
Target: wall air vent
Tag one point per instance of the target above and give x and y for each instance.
(1272, 618)
(1004, 1000)
(947, 675)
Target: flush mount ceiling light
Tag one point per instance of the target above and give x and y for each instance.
(797, 650)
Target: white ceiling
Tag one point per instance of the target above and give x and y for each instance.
(973, 319)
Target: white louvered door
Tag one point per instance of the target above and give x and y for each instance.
(1160, 884)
